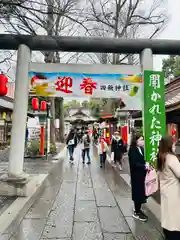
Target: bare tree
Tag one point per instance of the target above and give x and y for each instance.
(50, 17)
(8, 6)
(5, 61)
(125, 19)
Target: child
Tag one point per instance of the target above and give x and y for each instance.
(102, 151)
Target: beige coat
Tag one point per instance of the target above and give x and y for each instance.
(170, 194)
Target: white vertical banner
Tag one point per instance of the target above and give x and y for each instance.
(48, 135)
(56, 123)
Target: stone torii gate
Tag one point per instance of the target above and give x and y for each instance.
(26, 43)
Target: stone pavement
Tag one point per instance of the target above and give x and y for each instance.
(31, 166)
(83, 202)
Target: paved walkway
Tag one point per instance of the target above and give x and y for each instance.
(31, 166)
(83, 203)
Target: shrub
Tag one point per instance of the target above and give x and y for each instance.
(33, 147)
(52, 148)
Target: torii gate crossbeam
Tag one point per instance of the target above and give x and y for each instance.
(88, 44)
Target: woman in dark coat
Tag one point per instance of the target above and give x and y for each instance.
(138, 173)
(117, 148)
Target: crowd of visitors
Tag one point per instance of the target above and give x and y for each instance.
(168, 171)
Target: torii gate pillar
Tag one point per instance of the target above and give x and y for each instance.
(16, 182)
(146, 59)
(16, 158)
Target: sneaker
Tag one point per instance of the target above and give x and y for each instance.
(88, 163)
(140, 216)
(83, 162)
(114, 165)
(100, 166)
(120, 167)
(71, 160)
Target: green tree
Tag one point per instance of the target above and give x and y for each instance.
(95, 107)
(177, 66)
(171, 66)
(69, 105)
(85, 104)
(103, 105)
(168, 65)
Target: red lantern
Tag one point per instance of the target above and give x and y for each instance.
(35, 104)
(43, 105)
(3, 84)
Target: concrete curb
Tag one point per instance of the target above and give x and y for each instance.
(17, 210)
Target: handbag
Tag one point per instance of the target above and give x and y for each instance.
(71, 142)
(151, 182)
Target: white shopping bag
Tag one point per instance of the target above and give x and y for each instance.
(112, 157)
(71, 142)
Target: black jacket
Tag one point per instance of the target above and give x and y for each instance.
(70, 137)
(117, 146)
(138, 174)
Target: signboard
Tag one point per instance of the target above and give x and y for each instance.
(154, 113)
(65, 84)
(34, 133)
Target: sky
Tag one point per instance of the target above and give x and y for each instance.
(171, 31)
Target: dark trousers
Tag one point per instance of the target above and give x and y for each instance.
(171, 235)
(102, 158)
(117, 157)
(85, 152)
(71, 151)
(137, 207)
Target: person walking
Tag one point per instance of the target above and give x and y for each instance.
(117, 149)
(169, 175)
(86, 141)
(71, 143)
(95, 135)
(26, 136)
(102, 151)
(26, 141)
(138, 172)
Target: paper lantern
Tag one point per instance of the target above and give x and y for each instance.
(43, 105)
(35, 104)
(3, 84)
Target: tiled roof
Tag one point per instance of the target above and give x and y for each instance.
(172, 93)
(173, 100)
